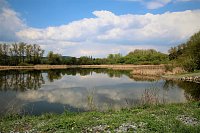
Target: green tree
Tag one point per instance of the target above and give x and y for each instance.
(149, 56)
(54, 59)
(188, 54)
(21, 51)
(84, 60)
(114, 58)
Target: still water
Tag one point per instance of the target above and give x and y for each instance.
(36, 92)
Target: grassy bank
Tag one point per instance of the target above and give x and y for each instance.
(181, 75)
(182, 118)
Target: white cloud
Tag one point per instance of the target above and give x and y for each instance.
(155, 4)
(10, 23)
(74, 91)
(186, 0)
(108, 32)
(105, 33)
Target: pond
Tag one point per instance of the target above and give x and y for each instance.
(53, 91)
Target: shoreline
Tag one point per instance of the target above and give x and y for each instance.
(144, 70)
(135, 70)
(117, 67)
(176, 117)
(190, 77)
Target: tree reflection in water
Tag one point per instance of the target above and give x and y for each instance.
(59, 73)
(22, 80)
(191, 89)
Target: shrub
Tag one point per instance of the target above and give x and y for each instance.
(189, 64)
(24, 64)
(156, 62)
(169, 67)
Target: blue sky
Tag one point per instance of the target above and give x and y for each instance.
(99, 27)
(44, 13)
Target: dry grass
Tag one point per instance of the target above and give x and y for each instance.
(176, 70)
(147, 71)
(150, 96)
(154, 70)
(50, 66)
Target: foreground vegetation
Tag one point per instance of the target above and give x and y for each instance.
(182, 118)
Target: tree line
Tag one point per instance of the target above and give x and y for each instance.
(20, 53)
(32, 54)
(187, 54)
(143, 57)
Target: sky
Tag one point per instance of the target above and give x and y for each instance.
(99, 27)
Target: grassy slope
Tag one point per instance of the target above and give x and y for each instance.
(157, 118)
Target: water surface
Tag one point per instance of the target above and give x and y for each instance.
(36, 92)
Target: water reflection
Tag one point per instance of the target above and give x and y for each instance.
(32, 80)
(191, 90)
(37, 92)
(57, 74)
(145, 78)
(20, 80)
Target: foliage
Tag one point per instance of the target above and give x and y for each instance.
(146, 57)
(84, 60)
(16, 53)
(114, 58)
(188, 64)
(170, 66)
(143, 57)
(70, 61)
(187, 54)
(24, 64)
(54, 59)
(24, 54)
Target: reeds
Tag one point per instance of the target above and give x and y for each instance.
(150, 96)
(91, 100)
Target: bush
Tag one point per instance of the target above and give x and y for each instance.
(156, 62)
(189, 64)
(144, 63)
(169, 67)
(24, 64)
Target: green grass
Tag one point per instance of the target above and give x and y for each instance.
(155, 118)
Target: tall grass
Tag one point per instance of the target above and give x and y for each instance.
(150, 96)
(91, 100)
